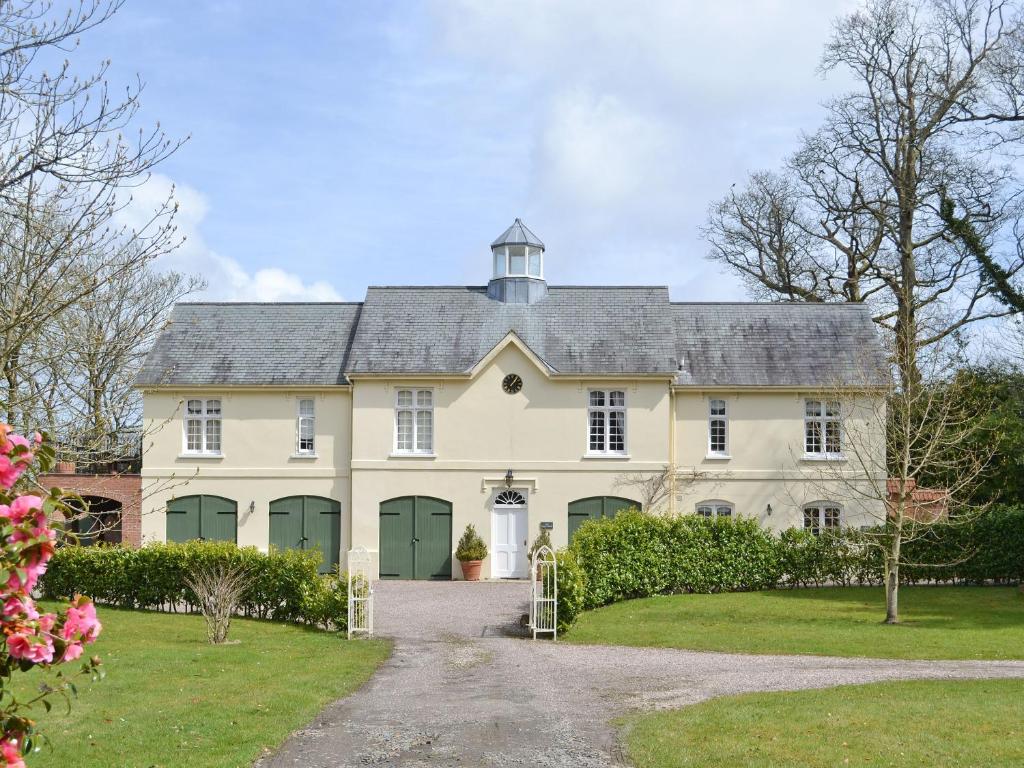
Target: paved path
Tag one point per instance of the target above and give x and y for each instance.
(459, 691)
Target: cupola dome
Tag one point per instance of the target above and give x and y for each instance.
(518, 259)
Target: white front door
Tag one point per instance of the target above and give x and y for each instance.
(508, 536)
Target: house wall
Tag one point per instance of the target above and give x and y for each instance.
(257, 466)
(480, 432)
(766, 463)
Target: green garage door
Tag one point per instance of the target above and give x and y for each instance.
(202, 517)
(416, 538)
(595, 508)
(308, 522)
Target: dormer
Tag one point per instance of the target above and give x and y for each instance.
(517, 257)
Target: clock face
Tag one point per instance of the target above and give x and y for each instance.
(512, 383)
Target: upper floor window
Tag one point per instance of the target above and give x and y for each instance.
(822, 428)
(822, 516)
(715, 509)
(202, 427)
(305, 435)
(414, 421)
(718, 429)
(607, 421)
(518, 261)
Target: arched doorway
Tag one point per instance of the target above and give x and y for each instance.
(308, 523)
(95, 520)
(416, 538)
(596, 508)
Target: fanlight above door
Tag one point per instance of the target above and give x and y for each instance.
(510, 499)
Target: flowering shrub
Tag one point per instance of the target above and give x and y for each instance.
(31, 638)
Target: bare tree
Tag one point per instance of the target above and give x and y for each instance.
(894, 440)
(219, 588)
(657, 489)
(934, 118)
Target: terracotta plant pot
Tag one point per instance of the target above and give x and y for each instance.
(471, 569)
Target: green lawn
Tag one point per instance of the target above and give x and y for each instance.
(938, 623)
(171, 699)
(922, 723)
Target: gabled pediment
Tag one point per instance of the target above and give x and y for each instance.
(511, 339)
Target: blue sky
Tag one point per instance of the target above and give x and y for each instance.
(339, 145)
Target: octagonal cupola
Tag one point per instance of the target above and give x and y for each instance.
(518, 260)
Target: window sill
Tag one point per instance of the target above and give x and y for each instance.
(304, 456)
(717, 457)
(411, 455)
(203, 456)
(823, 457)
(612, 456)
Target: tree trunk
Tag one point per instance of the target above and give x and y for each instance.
(892, 576)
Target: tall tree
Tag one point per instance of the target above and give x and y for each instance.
(862, 211)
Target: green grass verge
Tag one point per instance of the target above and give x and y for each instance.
(938, 623)
(171, 699)
(921, 723)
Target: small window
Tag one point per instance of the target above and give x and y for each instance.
(202, 427)
(822, 428)
(715, 509)
(822, 516)
(517, 259)
(414, 421)
(534, 256)
(606, 418)
(306, 428)
(718, 429)
(499, 262)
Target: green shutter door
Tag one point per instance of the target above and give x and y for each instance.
(183, 519)
(416, 538)
(218, 519)
(308, 522)
(595, 508)
(286, 523)
(433, 538)
(202, 517)
(322, 529)
(397, 530)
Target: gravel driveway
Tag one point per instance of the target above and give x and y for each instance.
(460, 691)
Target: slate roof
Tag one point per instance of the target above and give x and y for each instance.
(255, 344)
(782, 344)
(593, 330)
(517, 234)
(573, 330)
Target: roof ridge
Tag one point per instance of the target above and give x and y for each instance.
(770, 303)
(268, 303)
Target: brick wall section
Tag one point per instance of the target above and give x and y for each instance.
(124, 489)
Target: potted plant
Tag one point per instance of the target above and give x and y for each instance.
(471, 553)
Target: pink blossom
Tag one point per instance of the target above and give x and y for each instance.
(20, 606)
(30, 646)
(11, 754)
(72, 652)
(10, 471)
(21, 507)
(81, 622)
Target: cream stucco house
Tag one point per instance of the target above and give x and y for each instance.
(393, 422)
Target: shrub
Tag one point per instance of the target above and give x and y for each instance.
(471, 546)
(325, 602)
(154, 577)
(572, 588)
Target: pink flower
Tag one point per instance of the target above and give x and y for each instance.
(81, 622)
(21, 507)
(10, 471)
(32, 647)
(72, 652)
(11, 754)
(16, 607)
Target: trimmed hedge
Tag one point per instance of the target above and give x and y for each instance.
(285, 585)
(637, 555)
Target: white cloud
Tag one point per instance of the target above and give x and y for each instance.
(599, 151)
(226, 278)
